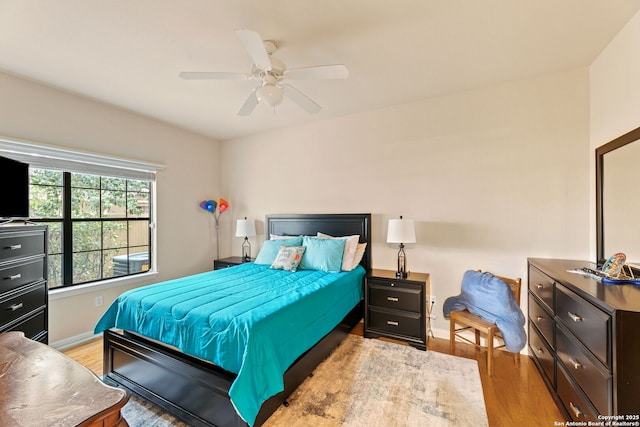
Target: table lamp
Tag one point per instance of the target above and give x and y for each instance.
(245, 228)
(401, 231)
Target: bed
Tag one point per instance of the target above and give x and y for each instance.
(195, 388)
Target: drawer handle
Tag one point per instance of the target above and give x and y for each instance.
(539, 350)
(575, 363)
(15, 276)
(576, 411)
(14, 247)
(574, 317)
(539, 318)
(540, 286)
(392, 323)
(15, 307)
(393, 299)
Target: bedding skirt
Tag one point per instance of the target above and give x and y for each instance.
(249, 319)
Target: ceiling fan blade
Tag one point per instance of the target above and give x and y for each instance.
(249, 104)
(337, 71)
(254, 46)
(301, 99)
(204, 75)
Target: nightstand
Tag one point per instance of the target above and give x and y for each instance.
(228, 262)
(396, 308)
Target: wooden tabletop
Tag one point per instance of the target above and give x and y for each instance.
(40, 386)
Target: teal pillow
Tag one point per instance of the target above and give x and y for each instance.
(270, 249)
(322, 254)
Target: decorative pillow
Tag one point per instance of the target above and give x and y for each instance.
(322, 254)
(270, 249)
(288, 258)
(350, 247)
(358, 255)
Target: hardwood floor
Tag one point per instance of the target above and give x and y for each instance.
(514, 396)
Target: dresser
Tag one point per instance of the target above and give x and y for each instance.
(584, 337)
(395, 307)
(23, 280)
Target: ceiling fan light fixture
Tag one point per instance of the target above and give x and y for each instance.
(269, 94)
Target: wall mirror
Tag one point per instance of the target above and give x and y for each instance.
(618, 198)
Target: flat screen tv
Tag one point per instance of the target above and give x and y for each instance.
(14, 189)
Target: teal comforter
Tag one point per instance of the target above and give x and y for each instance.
(248, 319)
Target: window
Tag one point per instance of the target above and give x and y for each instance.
(99, 211)
(98, 225)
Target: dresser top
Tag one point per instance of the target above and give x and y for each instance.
(607, 296)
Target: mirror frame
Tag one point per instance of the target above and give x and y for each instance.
(621, 141)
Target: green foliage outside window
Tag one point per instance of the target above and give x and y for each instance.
(109, 218)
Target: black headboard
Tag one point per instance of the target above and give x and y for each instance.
(332, 224)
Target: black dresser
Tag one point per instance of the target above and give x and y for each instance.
(584, 337)
(23, 280)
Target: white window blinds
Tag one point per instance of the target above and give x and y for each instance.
(69, 160)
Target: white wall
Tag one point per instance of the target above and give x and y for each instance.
(491, 177)
(614, 100)
(30, 111)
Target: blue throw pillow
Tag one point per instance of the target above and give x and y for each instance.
(270, 249)
(322, 254)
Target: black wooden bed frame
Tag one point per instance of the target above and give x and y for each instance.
(197, 391)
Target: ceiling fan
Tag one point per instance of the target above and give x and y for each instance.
(271, 73)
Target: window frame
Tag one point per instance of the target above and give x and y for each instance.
(51, 157)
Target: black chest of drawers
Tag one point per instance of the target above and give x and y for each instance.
(584, 337)
(229, 262)
(23, 280)
(396, 308)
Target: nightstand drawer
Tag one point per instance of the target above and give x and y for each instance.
(383, 294)
(18, 274)
(400, 323)
(24, 302)
(588, 323)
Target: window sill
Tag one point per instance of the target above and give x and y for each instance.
(60, 293)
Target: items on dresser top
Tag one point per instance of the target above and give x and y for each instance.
(396, 307)
(23, 280)
(584, 338)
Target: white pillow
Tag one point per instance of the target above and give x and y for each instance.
(276, 237)
(350, 247)
(359, 254)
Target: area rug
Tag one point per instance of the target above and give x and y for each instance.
(375, 383)
(369, 383)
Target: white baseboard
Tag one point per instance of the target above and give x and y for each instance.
(74, 340)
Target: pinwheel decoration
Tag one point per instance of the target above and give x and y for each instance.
(210, 206)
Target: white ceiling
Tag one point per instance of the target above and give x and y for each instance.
(129, 52)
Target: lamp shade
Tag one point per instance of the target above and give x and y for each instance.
(245, 228)
(269, 94)
(401, 231)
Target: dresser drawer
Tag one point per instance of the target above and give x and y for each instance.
(573, 400)
(542, 286)
(592, 377)
(391, 295)
(19, 244)
(400, 323)
(17, 274)
(542, 319)
(589, 324)
(33, 327)
(542, 353)
(21, 303)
